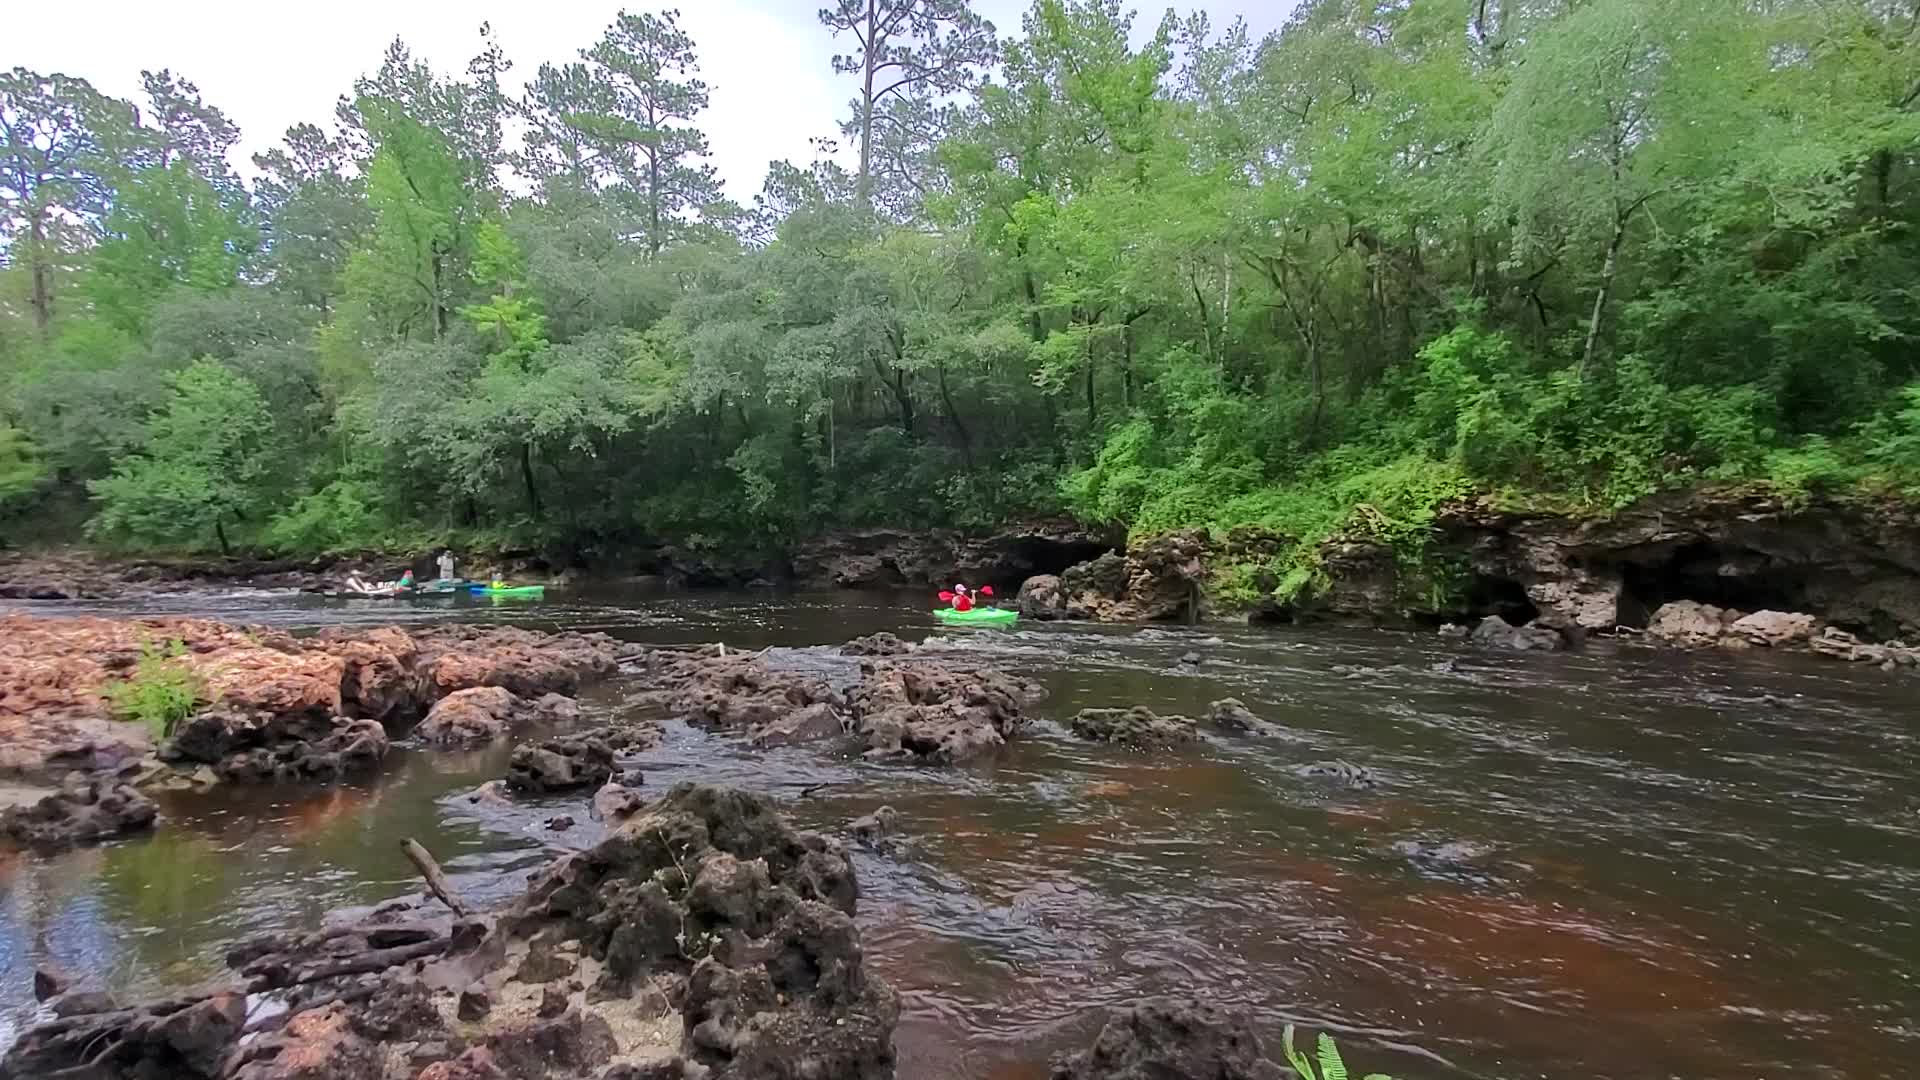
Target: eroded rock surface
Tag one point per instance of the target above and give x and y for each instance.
(1158, 579)
(84, 809)
(1138, 727)
(1172, 1039)
(276, 706)
(1495, 632)
(561, 764)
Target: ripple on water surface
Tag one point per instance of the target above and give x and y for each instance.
(1611, 864)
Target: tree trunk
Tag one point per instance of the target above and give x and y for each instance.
(1607, 271)
(220, 534)
(1093, 410)
(653, 206)
(526, 475)
(42, 280)
(863, 190)
(959, 425)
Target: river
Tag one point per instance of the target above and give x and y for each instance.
(1617, 863)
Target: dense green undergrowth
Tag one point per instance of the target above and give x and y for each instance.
(160, 693)
(1565, 255)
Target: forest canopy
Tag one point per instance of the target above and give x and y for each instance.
(1166, 276)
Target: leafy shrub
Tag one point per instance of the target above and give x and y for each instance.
(160, 693)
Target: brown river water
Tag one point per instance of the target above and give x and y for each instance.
(1661, 865)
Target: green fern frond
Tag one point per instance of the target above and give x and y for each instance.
(1331, 1067)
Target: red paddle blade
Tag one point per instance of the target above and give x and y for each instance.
(945, 595)
(986, 590)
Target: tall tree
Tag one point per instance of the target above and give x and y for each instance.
(623, 118)
(907, 49)
(55, 132)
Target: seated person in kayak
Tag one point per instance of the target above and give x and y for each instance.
(357, 585)
(962, 598)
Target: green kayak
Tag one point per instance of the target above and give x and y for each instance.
(992, 616)
(534, 592)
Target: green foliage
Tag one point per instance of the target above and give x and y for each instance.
(202, 464)
(161, 692)
(21, 472)
(1331, 1067)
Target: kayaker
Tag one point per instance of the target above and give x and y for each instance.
(962, 597)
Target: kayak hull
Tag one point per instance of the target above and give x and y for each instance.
(977, 617)
(532, 592)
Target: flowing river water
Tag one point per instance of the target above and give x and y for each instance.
(1617, 863)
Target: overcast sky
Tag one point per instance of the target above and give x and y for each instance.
(269, 66)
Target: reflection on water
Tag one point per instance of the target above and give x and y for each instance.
(1613, 864)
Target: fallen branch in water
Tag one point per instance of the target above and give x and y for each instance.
(436, 881)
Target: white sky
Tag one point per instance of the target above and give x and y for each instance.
(269, 66)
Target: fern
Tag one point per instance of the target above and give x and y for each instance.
(1331, 1065)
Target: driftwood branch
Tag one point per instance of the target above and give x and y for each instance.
(436, 881)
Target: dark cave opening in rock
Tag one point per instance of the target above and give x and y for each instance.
(1709, 574)
(1499, 596)
(1033, 555)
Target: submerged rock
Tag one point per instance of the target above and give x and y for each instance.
(1340, 773)
(1172, 1039)
(937, 712)
(561, 764)
(875, 827)
(485, 713)
(1232, 715)
(811, 723)
(1138, 727)
(84, 810)
(1495, 632)
(881, 644)
(615, 803)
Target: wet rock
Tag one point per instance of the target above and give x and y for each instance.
(875, 827)
(937, 712)
(811, 723)
(1042, 597)
(730, 692)
(560, 823)
(1338, 773)
(1138, 727)
(1775, 629)
(83, 811)
(881, 644)
(304, 751)
(1441, 854)
(561, 764)
(1232, 715)
(528, 663)
(49, 983)
(491, 793)
(1190, 659)
(83, 1002)
(1495, 632)
(713, 885)
(485, 713)
(1690, 624)
(615, 803)
(1172, 1039)
(1452, 630)
(475, 1003)
(675, 1068)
